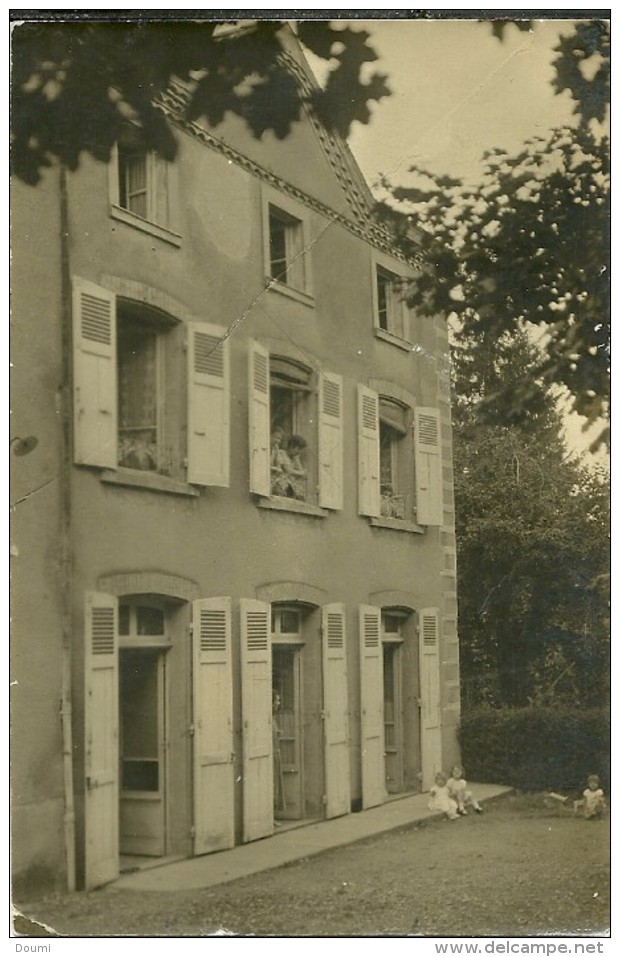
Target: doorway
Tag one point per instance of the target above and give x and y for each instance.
(393, 704)
(288, 784)
(142, 728)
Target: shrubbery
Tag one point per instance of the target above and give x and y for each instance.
(536, 748)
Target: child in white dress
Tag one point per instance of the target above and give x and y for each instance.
(458, 791)
(592, 804)
(440, 798)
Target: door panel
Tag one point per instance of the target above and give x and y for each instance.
(287, 738)
(371, 681)
(256, 703)
(335, 712)
(101, 740)
(214, 823)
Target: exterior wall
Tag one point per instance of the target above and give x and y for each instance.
(38, 583)
(221, 542)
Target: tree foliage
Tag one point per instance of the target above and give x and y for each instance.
(533, 544)
(76, 85)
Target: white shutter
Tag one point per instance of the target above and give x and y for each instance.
(256, 712)
(157, 185)
(212, 719)
(259, 414)
(330, 441)
(208, 413)
(371, 690)
(428, 472)
(335, 712)
(94, 375)
(101, 759)
(368, 451)
(430, 715)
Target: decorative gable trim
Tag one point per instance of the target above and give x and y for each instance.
(173, 104)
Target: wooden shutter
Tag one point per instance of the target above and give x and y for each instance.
(101, 759)
(430, 716)
(330, 441)
(157, 184)
(208, 414)
(94, 375)
(428, 472)
(260, 474)
(371, 690)
(256, 702)
(368, 451)
(335, 712)
(212, 720)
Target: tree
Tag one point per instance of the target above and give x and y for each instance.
(77, 85)
(533, 539)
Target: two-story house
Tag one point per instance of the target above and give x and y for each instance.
(218, 629)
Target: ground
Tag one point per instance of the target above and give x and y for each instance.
(526, 867)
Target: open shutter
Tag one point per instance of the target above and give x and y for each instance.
(214, 825)
(256, 706)
(330, 441)
(428, 473)
(208, 411)
(335, 712)
(260, 474)
(368, 451)
(371, 688)
(101, 760)
(430, 716)
(94, 375)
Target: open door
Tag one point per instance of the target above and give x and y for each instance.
(214, 806)
(371, 686)
(256, 702)
(335, 712)
(101, 740)
(429, 696)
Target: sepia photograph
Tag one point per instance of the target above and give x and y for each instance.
(310, 477)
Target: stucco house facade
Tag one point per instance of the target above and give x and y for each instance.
(216, 630)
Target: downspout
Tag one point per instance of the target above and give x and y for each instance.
(66, 709)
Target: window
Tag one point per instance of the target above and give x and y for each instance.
(399, 459)
(295, 431)
(286, 244)
(395, 463)
(286, 241)
(285, 624)
(151, 393)
(391, 313)
(142, 184)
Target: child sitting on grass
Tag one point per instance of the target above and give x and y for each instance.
(457, 789)
(592, 805)
(440, 798)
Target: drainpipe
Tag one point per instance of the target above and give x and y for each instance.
(66, 711)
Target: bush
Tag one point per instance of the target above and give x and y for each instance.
(536, 748)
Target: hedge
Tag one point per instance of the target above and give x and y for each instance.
(536, 748)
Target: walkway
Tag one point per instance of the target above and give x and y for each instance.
(291, 845)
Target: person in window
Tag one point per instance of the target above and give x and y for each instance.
(278, 459)
(297, 474)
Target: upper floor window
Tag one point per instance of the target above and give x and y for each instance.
(142, 187)
(143, 401)
(391, 313)
(286, 240)
(399, 452)
(295, 431)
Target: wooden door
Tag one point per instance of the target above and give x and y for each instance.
(101, 740)
(335, 712)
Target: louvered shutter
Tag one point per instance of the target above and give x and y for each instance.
(256, 710)
(428, 472)
(208, 414)
(368, 451)
(94, 375)
(335, 711)
(214, 823)
(371, 690)
(430, 716)
(101, 759)
(330, 441)
(260, 470)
